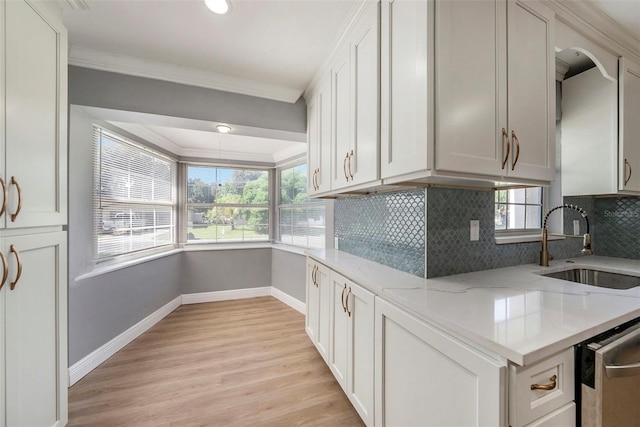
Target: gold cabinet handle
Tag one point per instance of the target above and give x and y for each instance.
(505, 137)
(316, 179)
(626, 163)
(546, 386)
(315, 174)
(5, 197)
(17, 254)
(344, 166)
(349, 164)
(347, 303)
(14, 215)
(314, 275)
(515, 138)
(344, 307)
(5, 269)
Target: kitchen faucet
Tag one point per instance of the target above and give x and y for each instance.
(545, 256)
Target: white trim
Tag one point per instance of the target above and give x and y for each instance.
(298, 250)
(100, 355)
(114, 265)
(106, 61)
(195, 247)
(292, 302)
(506, 238)
(104, 352)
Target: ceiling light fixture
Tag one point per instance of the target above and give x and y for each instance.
(223, 128)
(218, 6)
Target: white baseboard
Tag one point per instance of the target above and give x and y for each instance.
(289, 300)
(98, 356)
(226, 295)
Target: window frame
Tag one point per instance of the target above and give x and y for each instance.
(98, 199)
(187, 206)
(310, 203)
(521, 235)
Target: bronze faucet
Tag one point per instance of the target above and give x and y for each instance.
(545, 256)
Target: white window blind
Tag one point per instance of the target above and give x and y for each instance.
(134, 196)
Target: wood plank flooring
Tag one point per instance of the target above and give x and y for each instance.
(231, 363)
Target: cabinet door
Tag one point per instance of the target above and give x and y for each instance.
(406, 96)
(424, 376)
(319, 139)
(36, 331)
(363, 165)
(338, 350)
(313, 145)
(471, 91)
(360, 309)
(323, 278)
(313, 300)
(341, 120)
(36, 116)
(629, 125)
(531, 91)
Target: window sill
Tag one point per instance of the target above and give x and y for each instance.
(194, 247)
(289, 248)
(114, 265)
(522, 238)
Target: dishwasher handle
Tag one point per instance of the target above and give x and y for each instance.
(630, 370)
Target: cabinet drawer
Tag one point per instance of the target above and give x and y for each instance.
(541, 388)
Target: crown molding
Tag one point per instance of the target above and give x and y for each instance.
(586, 18)
(105, 61)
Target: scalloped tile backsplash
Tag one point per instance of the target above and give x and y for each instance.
(425, 232)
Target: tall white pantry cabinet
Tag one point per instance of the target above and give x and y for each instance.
(33, 215)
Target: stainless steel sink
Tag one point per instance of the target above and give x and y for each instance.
(602, 279)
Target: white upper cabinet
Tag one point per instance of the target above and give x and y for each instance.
(319, 139)
(406, 97)
(355, 91)
(34, 159)
(629, 126)
(495, 89)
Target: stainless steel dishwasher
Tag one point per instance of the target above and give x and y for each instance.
(608, 378)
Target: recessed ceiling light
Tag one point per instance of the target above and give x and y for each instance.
(223, 128)
(218, 6)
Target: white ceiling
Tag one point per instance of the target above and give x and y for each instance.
(625, 12)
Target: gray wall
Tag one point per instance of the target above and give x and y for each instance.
(104, 89)
(288, 271)
(222, 270)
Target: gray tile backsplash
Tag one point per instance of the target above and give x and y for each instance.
(386, 228)
(391, 229)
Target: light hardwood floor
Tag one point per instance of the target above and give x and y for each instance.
(232, 363)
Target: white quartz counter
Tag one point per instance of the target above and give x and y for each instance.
(513, 312)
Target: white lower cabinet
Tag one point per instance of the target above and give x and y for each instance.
(35, 312)
(399, 370)
(424, 377)
(318, 306)
(351, 353)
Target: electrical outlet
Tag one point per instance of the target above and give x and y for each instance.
(474, 226)
(335, 243)
(576, 227)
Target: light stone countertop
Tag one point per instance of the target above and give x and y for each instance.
(513, 312)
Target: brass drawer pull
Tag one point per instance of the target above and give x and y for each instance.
(17, 254)
(626, 163)
(344, 307)
(344, 166)
(349, 164)
(505, 137)
(5, 269)
(347, 303)
(546, 386)
(5, 196)
(515, 138)
(14, 215)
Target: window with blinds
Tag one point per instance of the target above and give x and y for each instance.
(134, 197)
